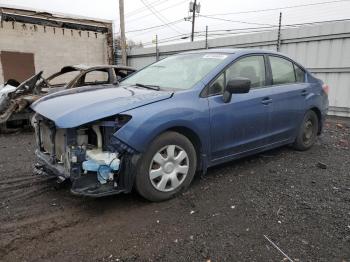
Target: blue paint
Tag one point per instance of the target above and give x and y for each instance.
(224, 131)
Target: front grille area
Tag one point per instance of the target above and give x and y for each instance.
(45, 138)
(47, 144)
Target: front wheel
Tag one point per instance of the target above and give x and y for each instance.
(307, 133)
(167, 167)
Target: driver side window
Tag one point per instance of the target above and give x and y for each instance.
(251, 67)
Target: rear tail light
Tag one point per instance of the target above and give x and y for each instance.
(325, 89)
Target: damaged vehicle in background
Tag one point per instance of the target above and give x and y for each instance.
(175, 117)
(15, 97)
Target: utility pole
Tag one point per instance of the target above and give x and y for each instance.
(155, 41)
(279, 33)
(194, 8)
(193, 18)
(206, 37)
(122, 31)
(157, 50)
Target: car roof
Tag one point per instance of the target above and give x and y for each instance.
(82, 67)
(239, 51)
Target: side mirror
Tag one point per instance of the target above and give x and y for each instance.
(237, 85)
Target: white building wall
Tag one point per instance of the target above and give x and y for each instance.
(322, 48)
(53, 48)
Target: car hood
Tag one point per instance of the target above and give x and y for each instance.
(78, 106)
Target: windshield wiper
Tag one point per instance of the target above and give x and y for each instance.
(152, 87)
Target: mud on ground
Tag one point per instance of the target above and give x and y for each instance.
(302, 205)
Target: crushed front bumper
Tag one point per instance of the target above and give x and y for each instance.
(45, 163)
(88, 184)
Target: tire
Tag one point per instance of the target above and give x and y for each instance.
(307, 132)
(167, 168)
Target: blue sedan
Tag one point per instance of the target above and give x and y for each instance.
(176, 117)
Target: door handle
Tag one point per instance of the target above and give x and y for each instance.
(266, 101)
(304, 92)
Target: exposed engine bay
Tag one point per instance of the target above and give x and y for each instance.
(89, 155)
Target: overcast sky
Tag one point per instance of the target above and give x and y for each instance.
(139, 16)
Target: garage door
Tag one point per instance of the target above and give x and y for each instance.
(15, 65)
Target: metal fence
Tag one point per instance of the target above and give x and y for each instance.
(323, 48)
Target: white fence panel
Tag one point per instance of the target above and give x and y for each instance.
(322, 48)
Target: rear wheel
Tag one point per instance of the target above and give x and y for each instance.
(166, 168)
(307, 133)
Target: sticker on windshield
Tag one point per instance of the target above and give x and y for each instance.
(215, 56)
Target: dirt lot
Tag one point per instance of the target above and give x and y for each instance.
(282, 194)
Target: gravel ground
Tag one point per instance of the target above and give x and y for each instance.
(302, 205)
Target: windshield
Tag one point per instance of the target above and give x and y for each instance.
(176, 72)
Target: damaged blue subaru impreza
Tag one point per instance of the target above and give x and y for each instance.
(176, 117)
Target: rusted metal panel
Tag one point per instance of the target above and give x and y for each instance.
(15, 65)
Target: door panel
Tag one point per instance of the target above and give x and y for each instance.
(238, 126)
(242, 124)
(287, 110)
(288, 95)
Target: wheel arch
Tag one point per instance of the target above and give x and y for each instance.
(194, 138)
(319, 117)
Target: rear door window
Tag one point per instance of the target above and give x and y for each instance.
(282, 71)
(299, 74)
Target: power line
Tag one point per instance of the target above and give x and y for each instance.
(159, 16)
(168, 24)
(272, 27)
(234, 21)
(238, 31)
(227, 20)
(157, 26)
(143, 9)
(186, 36)
(174, 38)
(138, 18)
(277, 8)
